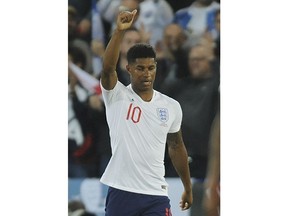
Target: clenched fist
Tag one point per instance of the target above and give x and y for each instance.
(125, 19)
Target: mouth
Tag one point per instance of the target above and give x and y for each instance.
(147, 83)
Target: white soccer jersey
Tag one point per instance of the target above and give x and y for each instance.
(138, 131)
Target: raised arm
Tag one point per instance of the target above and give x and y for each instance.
(179, 158)
(111, 54)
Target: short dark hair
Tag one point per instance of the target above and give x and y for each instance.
(140, 50)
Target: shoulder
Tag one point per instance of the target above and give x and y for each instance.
(117, 93)
(118, 86)
(168, 100)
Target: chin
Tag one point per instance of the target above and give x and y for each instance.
(146, 87)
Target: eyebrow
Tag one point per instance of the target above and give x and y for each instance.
(140, 65)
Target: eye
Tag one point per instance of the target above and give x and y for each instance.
(139, 68)
(152, 68)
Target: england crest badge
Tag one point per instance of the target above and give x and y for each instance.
(163, 114)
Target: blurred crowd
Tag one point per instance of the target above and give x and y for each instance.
(186, 37)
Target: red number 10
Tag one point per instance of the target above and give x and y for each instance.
(136, 113)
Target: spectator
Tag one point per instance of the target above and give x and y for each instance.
(83, 14)
(177, 5)
(88, 156)
(212, 38)
(75, 40)
(197, 19)
(72, 22)
(84, 27)
(100, 151)
(173, 54)
(199, 99)
(108, 8)
(98, 40)
(97, 49)
(75, 130)
(83, 7)
(153, 17)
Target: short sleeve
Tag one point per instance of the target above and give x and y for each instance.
(176, 125)
(110, 96)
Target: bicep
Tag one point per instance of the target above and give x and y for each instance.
(174, 140)
(109, 80)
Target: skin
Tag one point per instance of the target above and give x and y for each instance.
(174, 37)
(111, 54)
(178, 155)
(211, 200)
(199, 63)
(142, 73)
(130, 38)
(130, 5)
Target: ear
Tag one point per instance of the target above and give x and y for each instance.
(128, 68)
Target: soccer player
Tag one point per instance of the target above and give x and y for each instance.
(140, 120)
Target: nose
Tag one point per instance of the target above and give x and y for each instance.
(147, 72)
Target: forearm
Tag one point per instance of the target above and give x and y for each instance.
(179, 159)
(111, 53)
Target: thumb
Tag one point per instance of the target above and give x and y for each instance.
(134, 12)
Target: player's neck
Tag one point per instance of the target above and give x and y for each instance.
(145, 95)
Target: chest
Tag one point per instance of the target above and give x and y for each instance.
(147, 114)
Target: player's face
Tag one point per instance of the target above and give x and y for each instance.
(142, 73)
